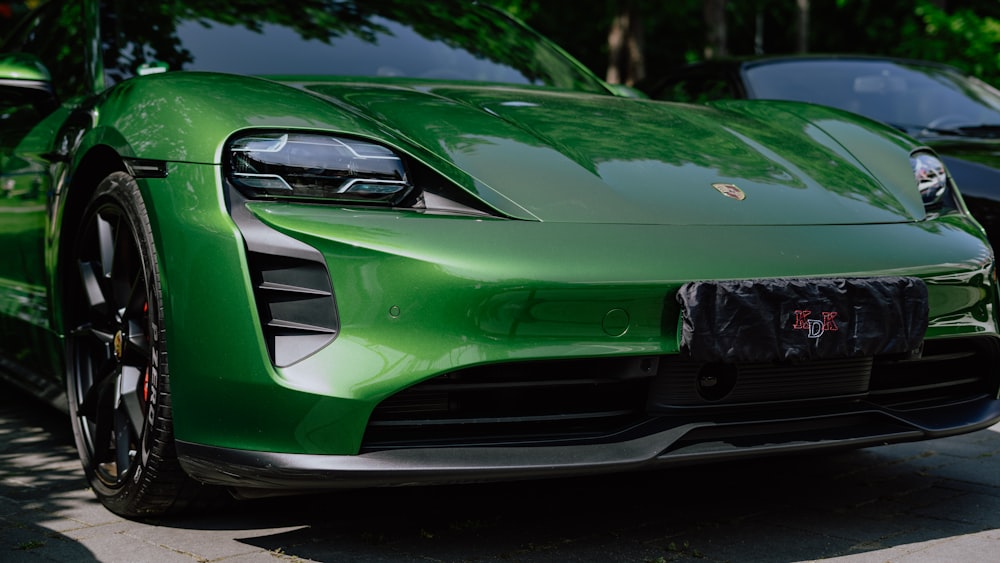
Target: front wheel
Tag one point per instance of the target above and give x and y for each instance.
(117, 381)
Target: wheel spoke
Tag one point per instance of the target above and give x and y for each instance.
(125, 270)
(137, 348)
(105, 244)
(123, 442)
(129, 389)
(137, 301)
(136, 321)
(93, 289)
(100, 387)
(104, 336)
(101, 401)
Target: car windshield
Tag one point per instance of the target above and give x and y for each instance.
(367, 38)
(919, 99)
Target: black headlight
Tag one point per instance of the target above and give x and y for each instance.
(308, 166)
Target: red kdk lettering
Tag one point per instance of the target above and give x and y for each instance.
(829, 320)
(801, 320)
(815, 327)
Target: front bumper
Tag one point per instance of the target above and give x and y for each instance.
(254, 473)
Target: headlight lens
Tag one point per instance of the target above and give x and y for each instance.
(306, 166)
(932, 178)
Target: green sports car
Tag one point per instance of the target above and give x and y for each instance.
(265, 248)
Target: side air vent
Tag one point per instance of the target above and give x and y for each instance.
(296, 306)
(291, 285)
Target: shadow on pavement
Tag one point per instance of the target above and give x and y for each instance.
(781, 509)
(776, 509)
(40, 476)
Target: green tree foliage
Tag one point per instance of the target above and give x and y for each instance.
(964, 33)
(966, 38)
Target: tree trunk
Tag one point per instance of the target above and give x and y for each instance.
(802, 26)
(715, 28)
(626, 63)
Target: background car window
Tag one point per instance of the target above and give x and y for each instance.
(906, 96)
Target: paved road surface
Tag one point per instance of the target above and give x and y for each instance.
(929, 501)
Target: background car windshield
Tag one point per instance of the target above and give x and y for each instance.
(909, 97)
(434, 40)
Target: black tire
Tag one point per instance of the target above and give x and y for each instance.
(117, 382)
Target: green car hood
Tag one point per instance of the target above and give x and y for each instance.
(552, 155)
(580, 158)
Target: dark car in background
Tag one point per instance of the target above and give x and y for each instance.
(956, 114)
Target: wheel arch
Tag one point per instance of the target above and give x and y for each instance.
(94, 166)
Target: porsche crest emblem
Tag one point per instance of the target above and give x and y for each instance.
(119, 343)
(731, 191)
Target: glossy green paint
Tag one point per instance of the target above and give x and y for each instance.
(593, 233)
(461, 305)
(218, 364)
(418, 296)
(27, 336)
(23, 66)
(653, 163)
(650, 163)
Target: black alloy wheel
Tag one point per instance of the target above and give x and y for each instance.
(117, 381)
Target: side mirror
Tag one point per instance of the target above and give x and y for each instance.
(24, 79)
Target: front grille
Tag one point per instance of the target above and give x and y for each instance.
(683, 383)
(603, 400)
(949, 371)
(533, 401)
